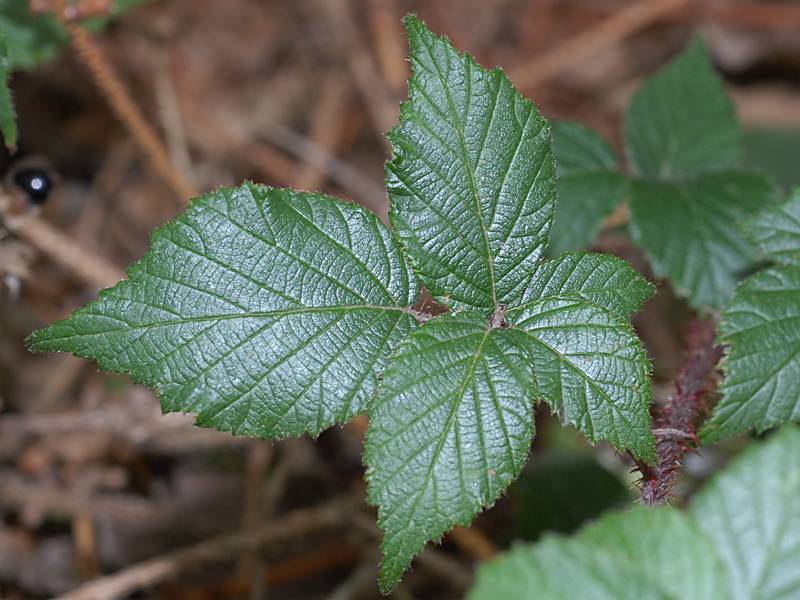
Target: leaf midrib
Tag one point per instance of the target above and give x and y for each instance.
(457, 398)
(470, 171)
(246, 315)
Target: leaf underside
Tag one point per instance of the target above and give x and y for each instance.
(643, 553)
(751, 515)
(715, 550)
(266, 312)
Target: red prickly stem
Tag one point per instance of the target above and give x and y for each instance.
(675, 423)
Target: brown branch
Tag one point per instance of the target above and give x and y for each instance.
(124, 107)
(218, 549)
(378, 100)
(473, 541)
(35, 497)
(62, 249)
(327, 125)
(675, 424)
(584, 45)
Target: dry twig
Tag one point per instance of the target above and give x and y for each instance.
(218, 549)
(64, 250)
(125, 107)
(583, 46)
(380, 105)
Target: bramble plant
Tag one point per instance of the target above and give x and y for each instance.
(273, 312)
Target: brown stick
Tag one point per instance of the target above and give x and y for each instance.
(124, 107)
(472, 541)
(65, 251)
(152, 572)
(390, 46)
(588, 43)
(327, 123)
(38, 498)
(259, 457)
(380, 105)
(675, 423)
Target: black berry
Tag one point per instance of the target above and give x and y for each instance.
(35, 182)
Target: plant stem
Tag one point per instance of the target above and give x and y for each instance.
(675, 423)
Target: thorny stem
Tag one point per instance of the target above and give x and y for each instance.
(675, 424)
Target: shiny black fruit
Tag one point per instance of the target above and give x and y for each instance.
(35, 182)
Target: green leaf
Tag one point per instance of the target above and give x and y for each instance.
(691, 230)
(681, 122)
(591, 369)
(761, 328)
(644, 553)
(266, 312)
(665, 546)
(751, 514)
(589, 364)
(31, 39)
(590, 185)
(8, 118)
(777, 231)
(449, 429)
(599, 279)
(471, 179)
(451, 424)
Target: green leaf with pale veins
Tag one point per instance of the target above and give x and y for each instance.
(777, 231)
(681, 122)
(8, 117)
(751, 514)
(589, 365)
(590, 185)
(471, 179)
(449, 430)
(600, 279)
(645, 553)
(266, 312)
(271, 312)
(591, 369)
(691, 230)
(471, 184)
(761, 329)
(740, 540)
(451, 424)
